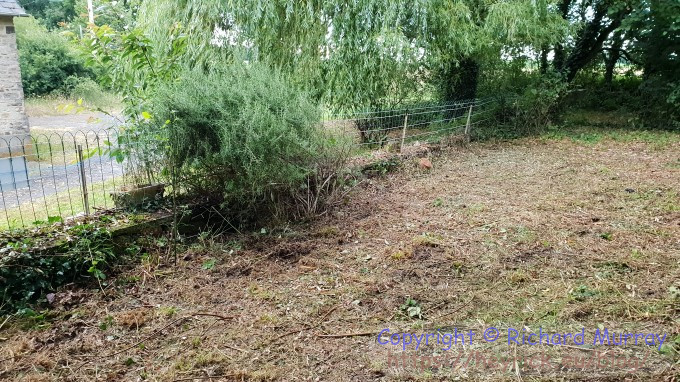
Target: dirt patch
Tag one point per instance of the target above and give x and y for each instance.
(527, 235)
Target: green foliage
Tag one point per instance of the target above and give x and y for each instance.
(352, 55)
(530, 106)
(27, 272)
(208, 264)
(582, 293)
(382, 167)
(412, 309)
(51, 12)
(46, 58)
(130, 66)
(89, 91)
(253, 144)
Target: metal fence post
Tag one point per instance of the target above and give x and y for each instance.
(468, 126)
(83, 180)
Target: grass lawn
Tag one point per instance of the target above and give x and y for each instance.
(554, 234)
(53, 105)
(62, 204)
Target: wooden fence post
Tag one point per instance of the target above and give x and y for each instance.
(403, 134)
(468, 126)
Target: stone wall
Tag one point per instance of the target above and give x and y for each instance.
(13, 121)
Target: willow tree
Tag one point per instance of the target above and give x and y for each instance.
(466, 35)
(358, 53)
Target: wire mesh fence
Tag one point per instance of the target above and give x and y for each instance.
(48, 177)
(379, 128)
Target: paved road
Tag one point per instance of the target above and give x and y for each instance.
(47, 178)
(72, 122)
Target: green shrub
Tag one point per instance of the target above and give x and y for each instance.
(660, 101)
(246, 138)
(86, 88)
(45, 57)
(531, 110)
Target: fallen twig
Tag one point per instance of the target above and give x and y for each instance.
(208, 377)
(213, 315)
(360, 334)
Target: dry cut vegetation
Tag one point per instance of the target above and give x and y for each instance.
(532, 234)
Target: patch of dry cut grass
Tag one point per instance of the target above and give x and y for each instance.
(558, 235)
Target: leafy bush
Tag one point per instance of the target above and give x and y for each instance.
(89, 90)
(45, 57)
(243, 136)
(660, 101)
(532, 109)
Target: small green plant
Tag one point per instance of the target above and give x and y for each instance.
(582, 292)
(607, 236)
(428, 240)
(106, 323)
(209, 264)
(168, 311)
(412, 309)
(401, 255)
(382, 167)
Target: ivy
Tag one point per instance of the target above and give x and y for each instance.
(28, 271)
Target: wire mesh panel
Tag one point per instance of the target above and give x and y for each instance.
(46, 176)
(379, 128)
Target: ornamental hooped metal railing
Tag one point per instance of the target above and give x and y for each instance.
(50, 176)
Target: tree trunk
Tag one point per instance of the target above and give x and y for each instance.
(613, 57)
(593, 35)
(563, 9)
(544, 60)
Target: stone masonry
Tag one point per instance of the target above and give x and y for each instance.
(13, 119)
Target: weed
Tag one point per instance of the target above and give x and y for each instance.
(582, 292)
(412, 309)
(637, 254)
(382, 167)
(401, 255)
(209, 264)
(607, 236)
(29, 319)
(328, 232)
(167, 311)
(428, 240)
(106, 323)
(256, 291)
(517, 277)
(28, 272)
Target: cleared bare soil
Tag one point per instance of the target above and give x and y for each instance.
(551, 235)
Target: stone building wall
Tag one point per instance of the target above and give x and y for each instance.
(13, 119)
